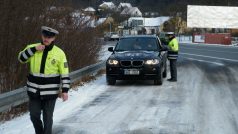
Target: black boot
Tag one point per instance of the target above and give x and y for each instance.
(172, 80)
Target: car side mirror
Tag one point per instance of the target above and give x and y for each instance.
(110, 49)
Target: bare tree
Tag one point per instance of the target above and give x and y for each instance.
(20, 25)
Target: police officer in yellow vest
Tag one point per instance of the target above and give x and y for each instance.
(173, 48)
(48, 73)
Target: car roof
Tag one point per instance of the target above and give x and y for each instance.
(139, 36)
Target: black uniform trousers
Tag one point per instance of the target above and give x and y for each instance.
(173, 69)
(36, 106)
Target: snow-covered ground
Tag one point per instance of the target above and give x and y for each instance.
(77, 98)
(104, 53)
(203, 101)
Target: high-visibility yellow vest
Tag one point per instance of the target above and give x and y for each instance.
(48, 71)
(174, 45)
(173, 49)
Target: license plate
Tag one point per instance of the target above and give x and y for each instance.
(131, 72)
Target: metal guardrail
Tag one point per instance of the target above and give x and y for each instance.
(19, 96)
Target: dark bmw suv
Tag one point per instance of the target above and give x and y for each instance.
(140, 57)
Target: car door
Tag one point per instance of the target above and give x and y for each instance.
(163, 52)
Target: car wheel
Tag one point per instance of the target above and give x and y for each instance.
(111, 81)
(159, 81)
(165, 71)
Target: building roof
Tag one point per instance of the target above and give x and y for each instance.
(89, 9)
(128, 5)
(152, 22)
(132, 11)
(101, 21)
(110, 5)
(135, 18)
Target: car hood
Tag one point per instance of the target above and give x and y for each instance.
(134, 55)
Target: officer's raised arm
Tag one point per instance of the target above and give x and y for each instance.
(28, 52)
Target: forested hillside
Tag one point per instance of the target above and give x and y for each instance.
(164, 7)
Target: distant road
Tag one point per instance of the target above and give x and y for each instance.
(209, 53)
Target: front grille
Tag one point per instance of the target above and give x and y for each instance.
(126, 63)
(137, 63)
(132, 63)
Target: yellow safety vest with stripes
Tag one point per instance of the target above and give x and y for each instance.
(48, 71)
(173, 49)
(173, 45)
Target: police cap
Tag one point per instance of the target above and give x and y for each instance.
(170, 33)
(48, 32)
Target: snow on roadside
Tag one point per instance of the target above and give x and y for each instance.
(104, 53)
(77, 99)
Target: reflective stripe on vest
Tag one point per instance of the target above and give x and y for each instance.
(43, 86)
(49, 92)
(45, 75)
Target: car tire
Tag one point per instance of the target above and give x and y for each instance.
(159, 81)
(111, 81)
(165, 71)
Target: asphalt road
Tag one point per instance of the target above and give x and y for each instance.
(210, 53)
(203, 101)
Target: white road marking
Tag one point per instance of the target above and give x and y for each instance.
(217, 63)
(210, 57)
(210, 45)
(210, 50)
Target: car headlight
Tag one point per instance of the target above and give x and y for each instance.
(152, 62)
(113, 62)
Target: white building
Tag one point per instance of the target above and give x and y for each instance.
(89, 10)
(100, 21)
(107, 5)
(132, 11)
(151, 25)
(122, 6)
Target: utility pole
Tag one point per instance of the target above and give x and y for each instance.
(110, 26)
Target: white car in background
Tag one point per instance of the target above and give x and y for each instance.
(111, 36)
(114, 36)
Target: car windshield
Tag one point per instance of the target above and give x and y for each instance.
(135, 44)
